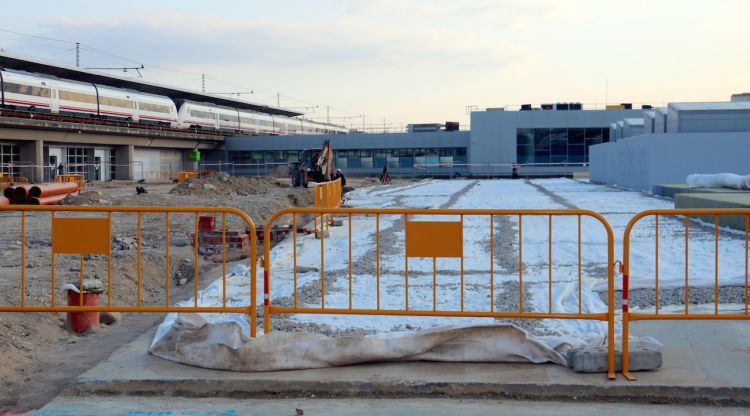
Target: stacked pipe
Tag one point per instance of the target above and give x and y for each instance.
(42, 194)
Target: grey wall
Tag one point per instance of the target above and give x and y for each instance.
(709, 120)
(644, 161)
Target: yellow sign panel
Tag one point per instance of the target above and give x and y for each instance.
(434, 239)
(81, 236)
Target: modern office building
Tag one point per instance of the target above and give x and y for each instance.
(546, 140)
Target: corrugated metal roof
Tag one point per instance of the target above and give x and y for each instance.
(11, 61)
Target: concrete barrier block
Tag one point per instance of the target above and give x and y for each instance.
(325, 234)
(594, 360)
(337, 222)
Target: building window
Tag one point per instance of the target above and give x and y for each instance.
(557, 145)
(10, 155)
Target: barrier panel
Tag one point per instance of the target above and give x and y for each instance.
(92, 235)
(13, 179)
(425, 242)
(72, 177)
(709, 223)
(326, 195)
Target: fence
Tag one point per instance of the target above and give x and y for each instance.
(430, 240)
(90, 171)
(708, 219)
(89, 234)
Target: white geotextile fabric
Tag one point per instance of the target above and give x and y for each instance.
(194, 340)
(718, 180)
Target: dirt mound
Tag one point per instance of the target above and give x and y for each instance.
(86, 198)
(224, 185)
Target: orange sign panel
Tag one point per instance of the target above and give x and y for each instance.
(434, 239)
(81, 236)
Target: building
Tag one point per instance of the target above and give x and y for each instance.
(547, 140)
(686, 138)
(436, 152)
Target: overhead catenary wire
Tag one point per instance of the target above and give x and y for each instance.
(111, 57)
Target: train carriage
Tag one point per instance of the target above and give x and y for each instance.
(194, 115)
(155, 109)
(26, 92)
(47, 94)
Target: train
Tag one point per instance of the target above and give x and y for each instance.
(46, 94)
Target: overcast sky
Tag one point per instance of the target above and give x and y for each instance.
(407, 61)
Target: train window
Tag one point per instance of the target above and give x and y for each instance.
(157, 108)
(77, 97)
(26, 89)
(201, 114)
(226, 117)
(115, 102)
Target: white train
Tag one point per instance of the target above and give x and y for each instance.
(39, 93)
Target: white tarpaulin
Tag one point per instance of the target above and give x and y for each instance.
(718, 180)
(192, 339)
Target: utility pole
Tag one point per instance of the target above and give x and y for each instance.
(363, 123)
(78, 54)
(278, 99)
(203, 83)
(328, 116)
(383, 125)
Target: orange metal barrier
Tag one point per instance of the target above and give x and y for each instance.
(13, 179)
(327, 194)
(85, 231)
(708, 216)
(435, 239)
(189, 174)
(72, 177)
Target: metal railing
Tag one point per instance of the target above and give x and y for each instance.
(435, 240)
(709, 218)
(88, 231)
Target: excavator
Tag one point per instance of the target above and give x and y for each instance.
(314, 165)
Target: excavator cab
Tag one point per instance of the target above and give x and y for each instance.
(304, 169)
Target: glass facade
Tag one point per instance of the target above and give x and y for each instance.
(363, 158)
(557, 145)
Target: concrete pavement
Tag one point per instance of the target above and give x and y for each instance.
(170, 406)
(704, 363)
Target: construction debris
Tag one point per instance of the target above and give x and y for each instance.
(224, 185)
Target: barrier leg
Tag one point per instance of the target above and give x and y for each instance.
(625, 348)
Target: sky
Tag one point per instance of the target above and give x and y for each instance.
(401, 61)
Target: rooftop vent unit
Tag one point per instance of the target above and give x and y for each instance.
(627, 106)
(451, 126)
(525, 107)
(646, 107)
(423, 127)
(548, 107)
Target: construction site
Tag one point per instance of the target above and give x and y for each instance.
(210, 285)
(411, 235)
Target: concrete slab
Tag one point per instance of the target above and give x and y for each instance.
(717, 200)
(704, 362)
(670, 190)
